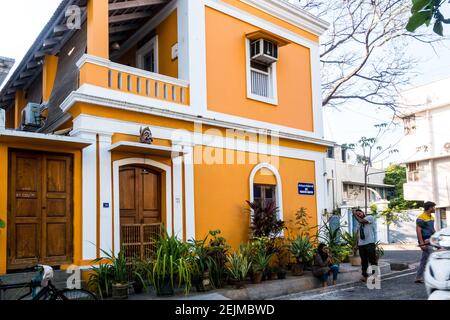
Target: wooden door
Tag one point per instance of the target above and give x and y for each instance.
(40, 215)
(140, 196)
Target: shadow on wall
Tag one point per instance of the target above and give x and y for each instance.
(405, 231)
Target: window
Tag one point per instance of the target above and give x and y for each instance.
(443, 218)
(147, 56)
(410, 125)
(264, 193)
(261, 76)
(413, 172)
(330, 153)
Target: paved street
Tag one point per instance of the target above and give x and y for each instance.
(396, 286)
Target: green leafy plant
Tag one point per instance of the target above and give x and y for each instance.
(2, 224)
(238, 266)
(100, 280)
(351, 241)
(218, 249)
(379, 250)
(261, 261)
(302, 249)
(140, 270)
(171, 263)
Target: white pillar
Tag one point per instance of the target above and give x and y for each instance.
(89, 204)
(178, 196)
(106, 225)
(189, 192)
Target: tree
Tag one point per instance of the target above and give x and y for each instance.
(363, 54)
(396, 176)
(425, 11)
(372, 151)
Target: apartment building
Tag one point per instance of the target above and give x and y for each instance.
(425, 148)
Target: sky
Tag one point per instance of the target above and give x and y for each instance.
(345, 125)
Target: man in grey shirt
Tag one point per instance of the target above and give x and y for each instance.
(366, 241)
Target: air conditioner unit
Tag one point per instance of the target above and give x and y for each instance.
(264, 51)
(31, 115)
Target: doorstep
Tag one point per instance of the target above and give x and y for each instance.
(269, 289)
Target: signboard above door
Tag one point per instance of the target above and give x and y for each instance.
(306, 189)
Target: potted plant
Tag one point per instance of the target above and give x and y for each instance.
(171, 265)
(302, 249)
(282, 258)
(351, 242)
(379, 250)
(202, 263)
(100, 280)
(140, 273)
(259, 265)
(118, 274)
(238, 268)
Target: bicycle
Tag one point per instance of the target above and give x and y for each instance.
(42, 288)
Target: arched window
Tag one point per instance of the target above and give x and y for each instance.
(266, 185)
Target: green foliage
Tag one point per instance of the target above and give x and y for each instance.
(396, 176)
(172, 263)
(217, 250)
(424, 12)
(302, 249)
(238, 266)
(261, 261)
(100, 280)
(379, 250)
(351, 241)
(118, 265)
(2, 224)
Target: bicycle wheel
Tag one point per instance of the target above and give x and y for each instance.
(76, 294)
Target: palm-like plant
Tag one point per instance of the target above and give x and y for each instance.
(302, 249)
(351, 240)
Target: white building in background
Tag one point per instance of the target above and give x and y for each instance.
(425, 148)
(345, 186)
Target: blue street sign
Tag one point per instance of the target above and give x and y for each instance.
(307, 189)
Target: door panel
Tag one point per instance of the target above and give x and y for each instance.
(140, 196)
(56, 210)
(40, 216)
(25, 216)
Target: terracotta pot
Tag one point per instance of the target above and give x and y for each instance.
(239, 284)
(282, 275)
(298, 269)
(120, 291)
(273, 276)
(257, 277)
(355, 260)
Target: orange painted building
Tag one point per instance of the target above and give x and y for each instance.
(226, 91)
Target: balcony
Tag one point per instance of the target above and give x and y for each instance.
(128, 80)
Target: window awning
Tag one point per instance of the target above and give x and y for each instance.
(280, 41)
(148, 149)
(50, 140)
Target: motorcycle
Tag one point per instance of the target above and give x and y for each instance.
(437, 271)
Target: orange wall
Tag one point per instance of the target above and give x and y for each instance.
(221, 192)
(261, 14)
(167, 33)
(227, 83)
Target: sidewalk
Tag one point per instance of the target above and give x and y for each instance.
(270, 289)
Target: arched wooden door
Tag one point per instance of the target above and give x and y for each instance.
(140, 210)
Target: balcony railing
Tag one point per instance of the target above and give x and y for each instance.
(104, 73)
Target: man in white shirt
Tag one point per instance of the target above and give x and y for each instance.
(366, 241)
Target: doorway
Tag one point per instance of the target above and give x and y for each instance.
(40, 214)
